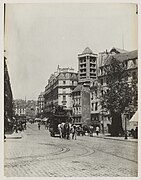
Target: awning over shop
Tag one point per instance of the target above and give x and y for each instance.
(135, 117)
(133, 123)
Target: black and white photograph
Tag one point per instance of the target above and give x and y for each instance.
(70, 89)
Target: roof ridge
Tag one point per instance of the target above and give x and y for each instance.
(87, 50)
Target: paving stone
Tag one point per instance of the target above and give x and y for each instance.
(39, 155)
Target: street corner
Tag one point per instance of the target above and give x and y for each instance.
(14, 135)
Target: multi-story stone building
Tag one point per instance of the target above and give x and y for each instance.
(24, 109)
(82, 94)
(130, 61)
(19, 107)
(92, 72)
(40, 103)
(8, 100)
(59, 88)
(87, 66)
(30, 109)
(81, 105)
(101, 117)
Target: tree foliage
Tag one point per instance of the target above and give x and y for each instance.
(119, 93)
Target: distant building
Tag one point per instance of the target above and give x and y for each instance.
(40, 104)
(59, 88)
(19, 107)
(24, 109)
(30, 109)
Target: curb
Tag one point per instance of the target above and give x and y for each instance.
(127, 140)
(13, 136)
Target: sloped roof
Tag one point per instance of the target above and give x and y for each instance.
(118, 50)
(87, 50)
(78, 88)
(122, 57)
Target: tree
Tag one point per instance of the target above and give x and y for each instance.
(119, 94)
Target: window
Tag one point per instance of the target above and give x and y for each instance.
(101, 71)
(72, 82)
(64, 90)
(64, 98)
(92, 106)
(101, 92)
(64, 82)
(134, 75)
(79, 101)
(96, 106)
(92, 97)
(126, 64)
(101, 81)
(107, 80)
(134, 61)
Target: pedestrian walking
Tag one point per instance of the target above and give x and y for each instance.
(46, 125)
(25, 126)
(39, 125)
(73, 131)
(91, 131)
(136, 133)
(67, 130)
(60, 130)
(97, 130)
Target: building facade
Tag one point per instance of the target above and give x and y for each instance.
(82, 93)
(40, 104)
(83, 102)
(8, 100)
(59, 88)
(92, 73)
(130, 62)
(87, 66)
(30, 109)
(24, 110)
(81, 105)
(19, 106)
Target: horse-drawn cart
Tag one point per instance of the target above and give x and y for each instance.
(54, 121)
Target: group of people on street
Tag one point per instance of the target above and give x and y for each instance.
(65, 129)
(39, 125)
(134, 133)
(68, 130)
(20, 126)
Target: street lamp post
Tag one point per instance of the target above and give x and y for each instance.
(126, 123)
(103, 121)
(125, 127)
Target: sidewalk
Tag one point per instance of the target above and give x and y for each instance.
(14, 135)
(107, 136)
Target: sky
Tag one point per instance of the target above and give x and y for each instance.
(39, 37)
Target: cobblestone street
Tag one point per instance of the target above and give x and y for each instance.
(38, 154)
